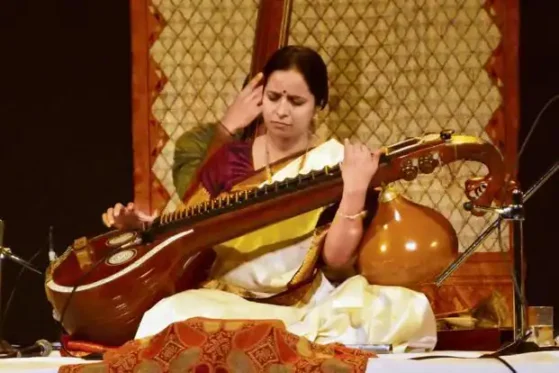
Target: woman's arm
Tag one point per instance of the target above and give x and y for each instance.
(346, 230)
(195, 147)
(345, 233)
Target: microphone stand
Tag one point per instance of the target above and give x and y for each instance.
(514, 213)
(6, 349)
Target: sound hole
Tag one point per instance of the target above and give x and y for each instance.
(121, 257)
(121, 239)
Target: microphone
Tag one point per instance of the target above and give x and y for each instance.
(6, 252)
(52, 253)
(469, 206)
(42, 347)
(506, 213)
(1, 234)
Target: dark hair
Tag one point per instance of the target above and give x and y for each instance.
(306, 61)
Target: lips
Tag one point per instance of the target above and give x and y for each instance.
(282, 124)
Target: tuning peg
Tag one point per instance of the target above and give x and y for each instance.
(446, 134)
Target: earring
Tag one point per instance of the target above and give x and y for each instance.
(315, 120)
(312, 128)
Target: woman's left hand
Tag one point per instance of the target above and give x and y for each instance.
(359, 166)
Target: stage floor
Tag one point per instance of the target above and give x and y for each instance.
(461, 361)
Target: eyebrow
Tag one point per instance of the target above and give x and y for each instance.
(288, 96)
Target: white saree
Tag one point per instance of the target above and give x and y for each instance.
(264, 262)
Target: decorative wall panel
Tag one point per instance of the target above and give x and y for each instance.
(401, 68)
(199, 53)
(204, 52)
(398, 68)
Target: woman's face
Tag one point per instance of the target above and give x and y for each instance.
(288, 105)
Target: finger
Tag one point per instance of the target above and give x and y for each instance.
(110, 217)
(352, 148)
(256, 95)
(143, 216)
(255, 101)
(255, 81)
(253, 113)
(130, 209)
(376, 156)
(105, 220)
(365, 151)
(251, 85)
(352, 153)
(257, 111)
(117, 209)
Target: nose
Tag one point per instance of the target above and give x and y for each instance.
(282, 110)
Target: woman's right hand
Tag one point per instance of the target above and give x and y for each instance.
(246, 107)
(126, 217)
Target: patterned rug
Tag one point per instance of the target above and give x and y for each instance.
(203, 345)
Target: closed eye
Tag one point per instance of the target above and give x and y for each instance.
(273, 96)
(295, 100)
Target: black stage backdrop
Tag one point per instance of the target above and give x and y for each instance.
(65, 138)
(539, 82)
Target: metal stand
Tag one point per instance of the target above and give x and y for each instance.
(6, 349)
(514, 213)
(519, 296)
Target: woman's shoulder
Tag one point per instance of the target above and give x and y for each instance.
(325, 153)
(330, 142)
(229, 162)
(233, 151)
(238, 146)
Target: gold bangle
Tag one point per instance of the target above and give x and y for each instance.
(226, 129)
(359, 215)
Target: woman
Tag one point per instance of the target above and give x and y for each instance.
(276, 272)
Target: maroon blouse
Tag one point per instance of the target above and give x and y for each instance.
(233, 163)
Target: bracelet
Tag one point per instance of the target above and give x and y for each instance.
(226, 129)
(359, 215)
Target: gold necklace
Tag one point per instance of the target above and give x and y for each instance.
(269, 173)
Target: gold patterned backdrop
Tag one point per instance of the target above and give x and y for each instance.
(204, 52)
(398, 68)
